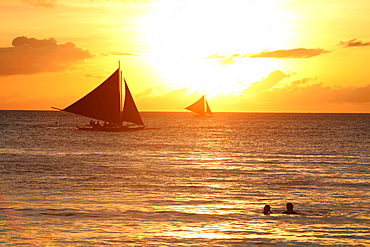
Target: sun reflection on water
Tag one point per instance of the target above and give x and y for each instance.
(206, 232)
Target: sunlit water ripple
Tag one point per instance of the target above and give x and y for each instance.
(185, 181)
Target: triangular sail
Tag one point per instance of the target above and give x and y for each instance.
(103, 103)
(130, 112)
(200, 107)
(197, 107)
(208, 110)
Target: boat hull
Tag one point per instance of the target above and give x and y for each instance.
(111, 129)
(202, 116)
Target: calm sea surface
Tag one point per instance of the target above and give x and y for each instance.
(185, 181)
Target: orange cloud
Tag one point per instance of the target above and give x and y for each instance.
(283, 53)
(265, 96)
(302, 96)
(30, 56)
(354, 43)
(268, 83)
(290, 53)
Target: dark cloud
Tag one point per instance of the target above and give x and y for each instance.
(289, 53)
(37, 43)
(354, 43)
(30, 56)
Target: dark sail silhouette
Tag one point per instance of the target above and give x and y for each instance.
(200, 107)
(130, 112)
(104, 103)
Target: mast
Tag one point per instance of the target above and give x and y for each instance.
(120, 91)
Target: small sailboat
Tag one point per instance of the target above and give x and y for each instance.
(201, 108)
(104, 103)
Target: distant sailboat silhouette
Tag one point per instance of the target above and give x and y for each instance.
(104, 104)
(200, 107)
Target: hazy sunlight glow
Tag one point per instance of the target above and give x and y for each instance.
(243, 55)
(182, 38)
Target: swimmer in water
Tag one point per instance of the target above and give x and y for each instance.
(267, 209)
(289, 207)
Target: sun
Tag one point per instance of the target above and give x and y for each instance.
(183, 35)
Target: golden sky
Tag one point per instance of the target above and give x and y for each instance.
(244, 55)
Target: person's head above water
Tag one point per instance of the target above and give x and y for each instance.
(289, 207)
(266, 209)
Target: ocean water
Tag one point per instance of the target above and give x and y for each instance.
(185, 181)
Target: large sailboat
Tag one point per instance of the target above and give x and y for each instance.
(201, 108)
(104, 103)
